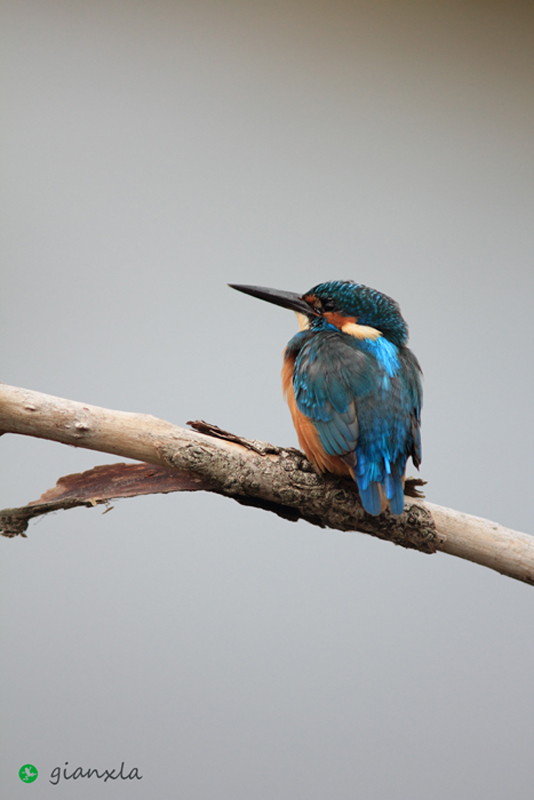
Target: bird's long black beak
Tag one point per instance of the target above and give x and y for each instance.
(285, 299)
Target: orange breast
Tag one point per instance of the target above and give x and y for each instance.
(307, 434)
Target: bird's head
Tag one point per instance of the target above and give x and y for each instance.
(350, 307)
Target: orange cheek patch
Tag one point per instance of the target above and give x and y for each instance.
(350, 326)
(334, 318)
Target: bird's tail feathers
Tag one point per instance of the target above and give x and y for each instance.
(372, 497)
(394, 488)
(377, 495)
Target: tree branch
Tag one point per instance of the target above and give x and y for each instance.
(252, 472)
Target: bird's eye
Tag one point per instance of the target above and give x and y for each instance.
(328, 304)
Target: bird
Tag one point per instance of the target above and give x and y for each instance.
(353, 387)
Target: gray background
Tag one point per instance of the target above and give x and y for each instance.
(152, 152)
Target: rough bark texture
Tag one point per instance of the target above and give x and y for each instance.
(251, 472)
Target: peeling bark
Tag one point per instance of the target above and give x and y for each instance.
(254, 473)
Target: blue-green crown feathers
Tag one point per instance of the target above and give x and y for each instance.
(368, 306)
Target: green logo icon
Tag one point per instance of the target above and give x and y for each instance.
(28, 773)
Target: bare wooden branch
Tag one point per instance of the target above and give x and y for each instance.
(255, 473)
(487, 543)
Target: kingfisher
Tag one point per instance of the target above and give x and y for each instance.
(353, 386)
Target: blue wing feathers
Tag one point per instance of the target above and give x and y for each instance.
(364, 398)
